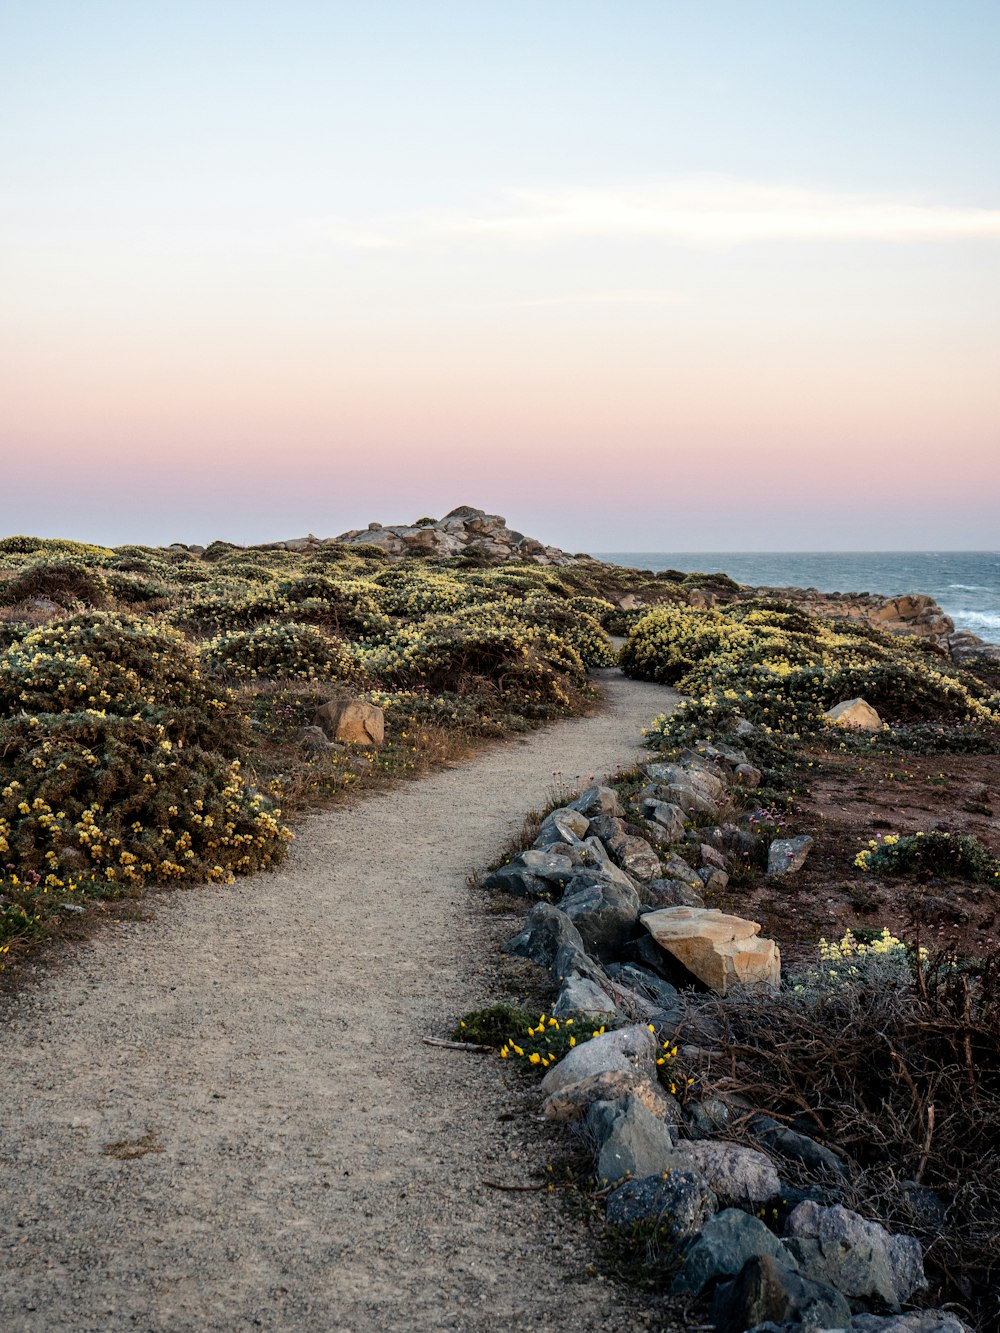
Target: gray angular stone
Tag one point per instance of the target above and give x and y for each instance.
(714, 880)
(591, 852)
(786, 855)
(673, 893)
(604, 912)
(795, 1147)
(606, 828)
(648, 984)
(675, 867)
(531, 873)
(571, 959)
(581, 995)
(768, 1290)
(562, 825)
(669, 817)
(635, 857)
(598, 801)
(858, 1256)
(737, 1174)
(629, 1048)
(681, 1202)
(546, 929)
(632, 1141)
(726, 1242)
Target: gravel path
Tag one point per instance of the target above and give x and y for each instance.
(302, 1161)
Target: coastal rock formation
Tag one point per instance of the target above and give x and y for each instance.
(463, 531)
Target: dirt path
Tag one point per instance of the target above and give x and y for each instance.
(310, 1164)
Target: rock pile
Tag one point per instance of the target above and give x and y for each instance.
(631, 928)
(463, 531)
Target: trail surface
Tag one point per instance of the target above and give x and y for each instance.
(302, 1161)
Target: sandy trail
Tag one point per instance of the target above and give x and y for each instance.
(314, 1166)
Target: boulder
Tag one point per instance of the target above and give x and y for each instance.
(530, 874)
(575, 1100)
(768, 1290)
(630, 1049)
(718, 949)
(582, 995)
(726, 1242)
(673, 893)
(632, 1141)
(646, 983)
(854, 713)
(598, 801)
(607, 828)
(786, 855)
(351, 721)
(635, 857)
(704, 777)
(680, 1202)
(858, 1256)
(571, 960)
(715, 880)
(675, 867)
(604, 911)
(737, 1174)
(670, 818)
(562, 825)
(546, 929)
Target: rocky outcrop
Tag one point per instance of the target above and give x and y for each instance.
(464, 531)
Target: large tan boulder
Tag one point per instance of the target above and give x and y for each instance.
(351, 721)
(718, 949)
(854, 713)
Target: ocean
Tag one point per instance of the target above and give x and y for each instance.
(965, 584)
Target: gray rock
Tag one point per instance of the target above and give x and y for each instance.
(572, 960)
(709, 856)
(581, 995)
(669, 817)
(786, 855)
(531, 873)
(648, 984)
(792, 1146)
(607, 828)
(604, 912)
(692, 800)
(729, 838)
(706, 1119)
(562, 825)
(696, 773)
(673, 893)
(675, 867)
(546, 929)
(858, 1256)
(636, 857)
(629, 1048)
(598, 801)
(591, 852)
(747, 775)
(737, 1174)
(727, 1241)
(770, 1290)
(914, 1321)
(632, 1141)
(681, 1202)
(714, 880)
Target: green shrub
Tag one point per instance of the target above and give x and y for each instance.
(65, 582)
(289, 652)
(934, 853)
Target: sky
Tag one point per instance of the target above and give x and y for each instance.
(637, 274)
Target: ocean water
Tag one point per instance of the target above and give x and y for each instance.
(965, 584)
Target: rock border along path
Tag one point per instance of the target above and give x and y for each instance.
(286, 1153)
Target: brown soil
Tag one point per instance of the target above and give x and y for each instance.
(844, 801)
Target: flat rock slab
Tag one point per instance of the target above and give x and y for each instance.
(718, 949)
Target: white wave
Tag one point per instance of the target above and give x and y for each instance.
(979, 619)
(969, 587)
